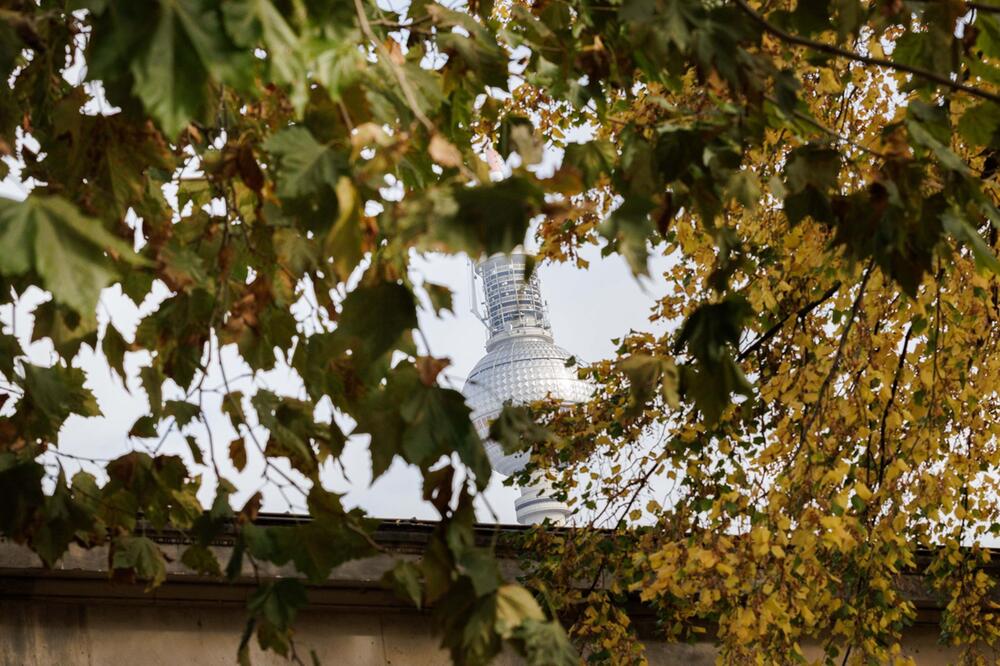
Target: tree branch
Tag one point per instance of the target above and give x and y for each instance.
(807, 423)
(857, 57)
(799, 314)
(888, 405)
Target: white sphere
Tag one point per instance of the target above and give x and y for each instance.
(520, 370)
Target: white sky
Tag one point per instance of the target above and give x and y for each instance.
(588, 308)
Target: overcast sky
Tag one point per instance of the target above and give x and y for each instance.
(588, 308)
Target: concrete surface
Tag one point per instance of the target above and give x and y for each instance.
(75, 615)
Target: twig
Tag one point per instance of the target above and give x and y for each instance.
(828, 131)
(807, 423)
(857, 57)
(799, 314)
(404, 83)
(888, 405)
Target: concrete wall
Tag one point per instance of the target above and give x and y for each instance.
(48, 633)
(77, 616)
(70, 634)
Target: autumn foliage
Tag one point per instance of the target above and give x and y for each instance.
(823, 408)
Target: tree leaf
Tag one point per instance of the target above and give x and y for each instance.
(141, 555)
(201, 559)
(305, 166)
(515, 605)
(113, 346)
(490, 218)
(258, 22)
(979, 123)
(375, 317)
(57, 392)
(238, 454)
(404, 579)
(66, 249)
(182, 411)
(63, 518)
(960, 229)
(174, 54)
(545, 644)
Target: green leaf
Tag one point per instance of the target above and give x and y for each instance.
(66, 249)
(10, 50)
(440, 297)
(141, 555)
(175, 51)
(57, 392)
(404, 579)
(279, 602)
(545, 644)
(343, 242)
(20, 494)
(67, 330)
(10, 349)
(490, 218)
(630, 229)
(305, 166)
(182, 411)
(145, 427)
(201, 559)
(107, 162)
(979, 123)
(515, 430)
(114, 347)
(315, 548)
(592, 159)
(960, 229)
(929, 127)
(647, 377)
(481, 567)
(375, 317)
(195, 450)
(232, 406)
(152, 384)
(710, 334)
(258, 22)
(812, 166)
(744, 186)
(437, 424)
(294, 250)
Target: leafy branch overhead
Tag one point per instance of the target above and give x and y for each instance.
(816, 183)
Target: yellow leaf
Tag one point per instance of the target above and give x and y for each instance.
(828, 82)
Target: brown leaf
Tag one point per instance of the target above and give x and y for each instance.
(249, 170)
(430, 367)
(238, 454)
(395, 51)
(249, 512)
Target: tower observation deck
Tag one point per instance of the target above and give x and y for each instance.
(522, 364)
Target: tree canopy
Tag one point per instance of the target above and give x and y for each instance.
(821, 174)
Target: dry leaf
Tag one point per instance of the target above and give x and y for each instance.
(444, 152)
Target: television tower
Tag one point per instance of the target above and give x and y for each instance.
(522, 364)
